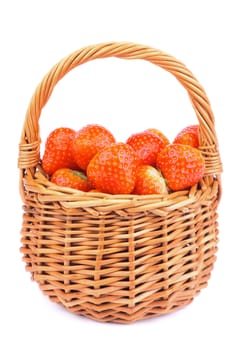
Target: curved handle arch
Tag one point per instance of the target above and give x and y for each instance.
(30, 137)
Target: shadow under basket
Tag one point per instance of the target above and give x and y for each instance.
(119, 258)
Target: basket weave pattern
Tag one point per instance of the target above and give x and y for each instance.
(119, 258)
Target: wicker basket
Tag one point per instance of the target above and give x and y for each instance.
(119, 258)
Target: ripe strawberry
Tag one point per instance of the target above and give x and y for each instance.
(160, 134)
(188, 136)
(181, 165)
(149, 181)
(146, 145)
(88, 141)
(71, 178)
(113, 169)
(57, 152)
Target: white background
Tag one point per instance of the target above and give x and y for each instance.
(37, 34)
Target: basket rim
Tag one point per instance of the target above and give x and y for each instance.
(99, 203)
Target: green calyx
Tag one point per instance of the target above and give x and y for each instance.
(79, 174)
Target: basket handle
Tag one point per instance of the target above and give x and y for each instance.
(29, 148)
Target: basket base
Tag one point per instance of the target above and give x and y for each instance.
(101, 310)
(123, 317)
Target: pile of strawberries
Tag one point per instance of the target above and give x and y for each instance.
(91, 159)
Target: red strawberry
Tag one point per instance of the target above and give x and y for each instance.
(58, 152)
(146, 145)
(149, 181)
(71, 178)
(160, 134)
(88, 141)
(113, 169)
(181, 165)
(188, 136)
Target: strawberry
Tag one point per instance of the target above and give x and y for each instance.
(113, 169)
(146, 145)
(57, 153)
(71, 178)
(88, 141)
(181, 165)
(188, 136)
(160, 134)
(149, 181)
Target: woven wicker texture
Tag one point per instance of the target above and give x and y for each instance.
(119, 258)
